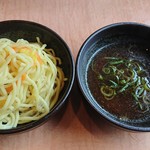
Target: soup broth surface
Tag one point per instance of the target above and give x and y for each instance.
(123, 105)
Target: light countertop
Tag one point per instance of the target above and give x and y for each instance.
(78, 127)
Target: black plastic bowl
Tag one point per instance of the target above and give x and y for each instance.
(119, 34)
(16, 29)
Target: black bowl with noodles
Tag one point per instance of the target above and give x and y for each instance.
(113, 72)
(19, 29)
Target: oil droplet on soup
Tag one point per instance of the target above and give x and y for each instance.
(122, 105)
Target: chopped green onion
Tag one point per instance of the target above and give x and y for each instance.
(114, 84)
(107, 91)
(100, 77)
(123, 81)
(116, 62)
(121, 75)
(135, 97)
(106, 70)
(147, 87)
(112, 58)
(124, 88)
(139, 91)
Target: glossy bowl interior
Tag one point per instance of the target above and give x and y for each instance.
(16, 29)
(114, 35)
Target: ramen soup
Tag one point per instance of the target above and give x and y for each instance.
(118, 79)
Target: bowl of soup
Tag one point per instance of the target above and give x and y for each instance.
(36, 77)
(113, 73)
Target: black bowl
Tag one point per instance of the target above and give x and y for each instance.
(16, 29)
(119, 35)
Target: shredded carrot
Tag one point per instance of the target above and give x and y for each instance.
(25, 50)
(28, 51)
(9, 89)
(6, 55)
(23, 77)
(35, 56)
(16, 49)
(2, 103)
(39, 58)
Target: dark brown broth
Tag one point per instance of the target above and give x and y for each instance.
(123, 105)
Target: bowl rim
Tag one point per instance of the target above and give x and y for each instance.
(89, 100)
(58, 106)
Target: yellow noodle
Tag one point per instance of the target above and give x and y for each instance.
(30, 81)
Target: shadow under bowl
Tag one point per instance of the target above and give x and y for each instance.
(18, 29)
(115, 36)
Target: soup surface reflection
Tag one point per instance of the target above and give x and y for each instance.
(122, 105)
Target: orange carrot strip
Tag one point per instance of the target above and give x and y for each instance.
(15, 48)
(29, 51)
(39, 58)
(23, 77)
(9, 89)
(2, 103)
